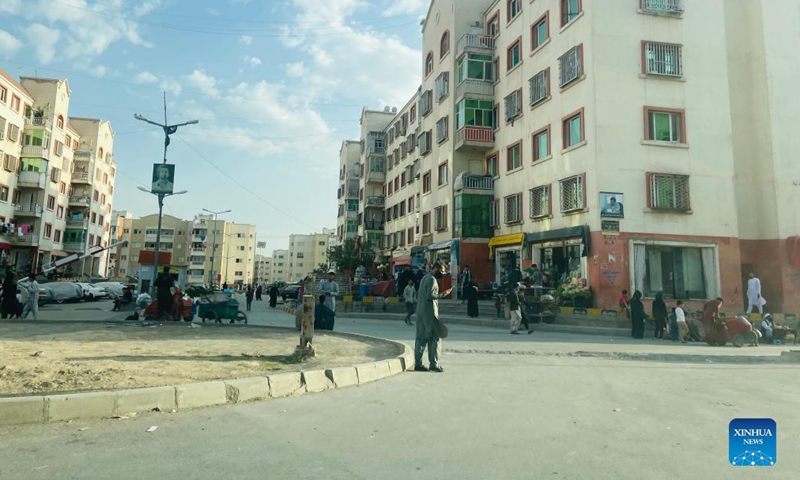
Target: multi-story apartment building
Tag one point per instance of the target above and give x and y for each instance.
(280, 266)
(616, 143)
(239, 254)
(43, 156)
(141, 233)
(349, 175)
(115, 235)
(373, 174)
(263, 270)
(307, 253)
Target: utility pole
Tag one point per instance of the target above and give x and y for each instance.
(214, 242)
(168, 130)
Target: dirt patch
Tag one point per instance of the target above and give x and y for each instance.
(58, 358)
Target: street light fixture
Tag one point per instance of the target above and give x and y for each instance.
(161, 197)
(214, 242)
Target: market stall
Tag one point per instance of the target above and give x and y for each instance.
(562, 256)
(507, 252)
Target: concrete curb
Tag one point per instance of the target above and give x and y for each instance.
(110, 404)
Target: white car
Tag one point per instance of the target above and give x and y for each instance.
(92, 292)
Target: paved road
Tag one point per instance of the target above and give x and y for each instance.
(539, 406)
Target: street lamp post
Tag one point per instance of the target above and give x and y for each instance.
(161, 197)
(214, 241)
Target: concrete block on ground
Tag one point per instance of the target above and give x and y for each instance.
(316, 381)
(146, 400)
(247, 389)
(81, 406)
(342, 376)
(196, 395)
(382, 370)
(408, 360)
(285, 385)
(395, 365)
(366, 373)
(21, 410)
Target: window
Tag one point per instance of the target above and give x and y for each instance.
(541, 144)
(2, 128)
(442, 172)
(494, 214)
(444, 44)
(540, 31)
(441, 129)
(513, 104)
(514, 54)
(476, 67)
(425, 142)
(68, 141)
(426, 223)
(474, 113)
(410, 203)
(540, 202)
(48, 230)
(51, 202)
(512, 208)
(570, 9)
(60, 212)
(426, 182)
(3, 94)
(677, 272)
(572, 194)
(55, 175)
(9, 163)
(429, 64)
(413, 113)
(514, 159)
(4, 193)
(514, 8)
(13, 132)
(440, 218)
(662, 59)
(570, 66)
(57, 236)
(425, 102)
(664, 7)
(103, 199)
(58, 149)
(60, 122)
(540, 86)
(493, 25)
(442, 86)
(492, 167)
(410, 235)
(665, 125)
(96, 196)
(62, 188)
(572, 129)
(668, 192)
(15, 103)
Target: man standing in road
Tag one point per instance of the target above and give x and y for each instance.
(330, 289)
(429, 327)
(754, 294)
(164, 284)
(32, 302)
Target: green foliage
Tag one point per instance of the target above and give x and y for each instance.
(346, 259)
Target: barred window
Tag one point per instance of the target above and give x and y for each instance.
(540, 201)
(512, 208)
(665, 7)
(442, 86)
(513, 104)
(570, 66)
(663, 59)
(540, 86)
(441, 218)
(426, 224)
(572, 194)
(669, 192)
(494, 214)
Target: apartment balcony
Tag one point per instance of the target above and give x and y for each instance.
(475, 138)
(199, 251)
(376, 169)
(663, 7)
(38, 122)
(31, 180)
(78, 223)
(74, 247)
(28, 240)
(83, 155)
(475, 43)
(28, 211)
(378, 201)
(477, 89)
(81, 177)
(80, 201)
(36, 152)
(481, 184)
(374, 225)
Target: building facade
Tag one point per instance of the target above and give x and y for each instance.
(263, 270)
(239, 254)
(349, 185)
(616, 144)
(280, 266)
(306, 254)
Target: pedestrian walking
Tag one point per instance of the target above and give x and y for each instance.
(624, 304)
(410, 298)
(430, 329)
(248, 296)
(471, 292)
(330, 289)
(754, 294)
(714, 325)
(680, 321)
(164, 284)
(9, 305)
(32, 301)
(515, 309)
(259, 292)
(637, 315)
(660, 315)
(273, 296)
(466, 281)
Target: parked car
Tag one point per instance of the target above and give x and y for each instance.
(92, 292)
(113, 289)
(290, 291)
(64, 292)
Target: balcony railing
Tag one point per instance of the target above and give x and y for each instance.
(37, 152)
(39, 122)
(28, 210)
(80, 200)
(479, 88)
(377, 201)
(373, 224)
(27, 240)
(476, 137)
(668, 7)
(83, 155)
(80, 177)
(31, 180)
(475, 182)
(81, 223)
(474, 41)
(74, 246)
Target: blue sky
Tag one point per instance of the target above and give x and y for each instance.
(276, 85)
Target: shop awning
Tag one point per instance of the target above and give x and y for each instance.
(418, 250)
(402, 261)
(5, 246)
(562, 233)
(513, 239)
(441, 245)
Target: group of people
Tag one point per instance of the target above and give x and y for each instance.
(257, 293)
(634, 309)
(19, 302)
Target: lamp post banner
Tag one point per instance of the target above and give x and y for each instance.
(163, 179)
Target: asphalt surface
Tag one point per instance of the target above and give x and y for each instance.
(532, 406)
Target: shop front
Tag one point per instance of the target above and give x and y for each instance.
(562, 256)
(445, 253)
(507, 253)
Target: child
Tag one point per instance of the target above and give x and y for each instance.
(623, 304)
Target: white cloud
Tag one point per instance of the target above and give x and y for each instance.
(45, 39)
(246, 39)
(10, 6)
(145, 78)
(171, 86)
(406, 7)
(204, 82)
(146, 7)
(296, 69)
(252, 61)
(9, 44)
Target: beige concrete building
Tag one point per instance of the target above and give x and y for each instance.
(263, 270)
(115, 235)
(239, 254)
(373, 174)
(349, 185)
(280, 266)
(141, 233)
(306, 254)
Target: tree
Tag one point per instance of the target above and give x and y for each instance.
(347, 258)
